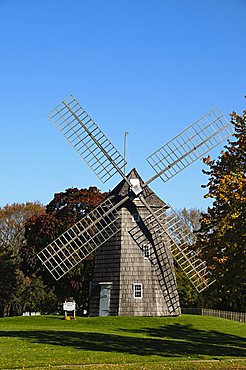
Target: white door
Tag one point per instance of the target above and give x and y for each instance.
(104, 299)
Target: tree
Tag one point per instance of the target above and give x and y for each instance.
(222, 237)
(73, 204)
(61, 213)
(191, 218)
(12, 239)
(12, 223)
(188, 295)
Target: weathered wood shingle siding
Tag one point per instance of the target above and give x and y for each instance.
(121, 262)
(136, 269)
(106, 269)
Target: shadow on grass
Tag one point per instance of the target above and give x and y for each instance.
(188, 333)
(169, 341)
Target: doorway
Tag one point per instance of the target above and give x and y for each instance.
(104, 305)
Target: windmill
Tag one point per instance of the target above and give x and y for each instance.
(132, 221)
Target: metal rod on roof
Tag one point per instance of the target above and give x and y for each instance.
(125, 135)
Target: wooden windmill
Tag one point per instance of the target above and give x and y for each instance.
(132, 234)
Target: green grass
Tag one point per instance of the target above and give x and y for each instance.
(186, 342)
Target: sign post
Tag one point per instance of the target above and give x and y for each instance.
(69, 307)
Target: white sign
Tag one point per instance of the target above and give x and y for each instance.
(69, 306)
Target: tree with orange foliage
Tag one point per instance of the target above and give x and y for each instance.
(13, 284)
(222, 237)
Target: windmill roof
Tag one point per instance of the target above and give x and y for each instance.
(122, 189)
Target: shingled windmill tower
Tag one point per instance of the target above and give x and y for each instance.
(132, 234)
(128, 279)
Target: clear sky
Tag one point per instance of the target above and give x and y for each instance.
(149, 67)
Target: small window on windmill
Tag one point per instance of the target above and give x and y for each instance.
(137, 290)
(146, 251)
(136, 217)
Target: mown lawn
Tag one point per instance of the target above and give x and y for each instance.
(186, 342)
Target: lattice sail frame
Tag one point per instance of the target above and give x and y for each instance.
(87, 139)
(180, 241)
(82, 239)
(161, 259)
(190, 145)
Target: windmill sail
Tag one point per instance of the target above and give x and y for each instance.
(180, 240)
(190, 145)
(82, 239)
(87, 139)
(160, 259)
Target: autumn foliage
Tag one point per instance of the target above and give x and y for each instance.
(222, 236)
(27, 228)
(14, 285)
(61, 213)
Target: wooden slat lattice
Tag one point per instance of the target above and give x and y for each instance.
(82, 239)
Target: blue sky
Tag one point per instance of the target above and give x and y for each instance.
(147, 67)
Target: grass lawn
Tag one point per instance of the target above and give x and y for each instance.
(185, 342)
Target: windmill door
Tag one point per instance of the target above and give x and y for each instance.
(104, 299)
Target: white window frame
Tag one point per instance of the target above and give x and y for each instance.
(136, 291)
(146, 251)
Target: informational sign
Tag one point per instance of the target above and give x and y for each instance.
(69, 306)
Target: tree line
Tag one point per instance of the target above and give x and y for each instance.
(27, 228)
